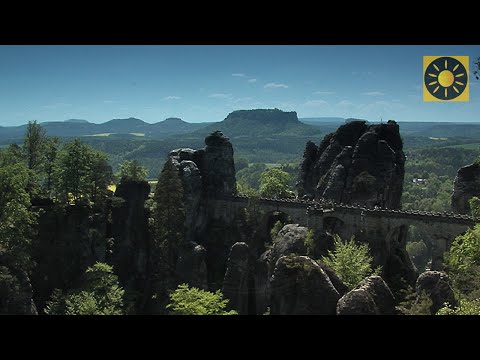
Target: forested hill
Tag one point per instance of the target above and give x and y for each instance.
(262, 123)
(113, 128)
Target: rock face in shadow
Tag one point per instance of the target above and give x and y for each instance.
(208, 174)
(16, 295)
(357, 164)
(361, 164)
(371, 296)
(357, 302)
(131, 238)
(289, 240)
(191, 267)
(380, 292)
(218, 168)
(236, 282)
(69, 239)
(301, 287)
(436, 285)
(465, 186)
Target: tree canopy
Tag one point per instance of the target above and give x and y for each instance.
(98, 294)
(194, 301)
(274, 183)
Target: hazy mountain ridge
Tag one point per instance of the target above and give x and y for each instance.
(79, 127)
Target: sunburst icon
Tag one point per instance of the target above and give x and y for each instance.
(445, 78)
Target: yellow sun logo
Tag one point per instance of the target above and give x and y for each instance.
(445, 78)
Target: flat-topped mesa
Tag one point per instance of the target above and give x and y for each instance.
(358, 163)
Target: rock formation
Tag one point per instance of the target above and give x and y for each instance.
(208, 174)
(69, 240)
(465, 186)
(371, 296)
(191, 267)
(301, 287)
(359, 163)
(357, 302)
(436, 285)
(130, 231)
(236, 282)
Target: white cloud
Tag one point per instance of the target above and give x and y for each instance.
(345, 103)
(172, 97)
(252, 80)
(242, 99)
(56, 106)
(238, 75)
(323, 92)
(316, 103)
(274, 85)
(108, 101)
(220, 96)
(373, 93)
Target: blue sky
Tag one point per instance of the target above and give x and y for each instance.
(205, 83)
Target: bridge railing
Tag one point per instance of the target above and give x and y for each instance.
(325, 206)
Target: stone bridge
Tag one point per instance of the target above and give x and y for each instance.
(384, 225)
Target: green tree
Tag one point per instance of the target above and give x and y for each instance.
(474, 203)
(462, 262)
(418, 253)
(132, 170)
(73, 171)
(169, 213)
(309, 242)
(100, 176)
(352, 262)
(240, 163)
(274, 183)
(244, 189)
(33, 145)
(466, 307)
(275, 229)
(193, 301)
(17, 220)
(51, 150)
(99, 294)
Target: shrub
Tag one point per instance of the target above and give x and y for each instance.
(194, 301)
(352, 262)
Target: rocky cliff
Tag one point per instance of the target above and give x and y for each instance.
(465, 186)
(208, 174)
(358, 163)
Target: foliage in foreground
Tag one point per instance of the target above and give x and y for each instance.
(194, 301)
(100, 294)
(352, 262)
(466, 307)
(463, 261)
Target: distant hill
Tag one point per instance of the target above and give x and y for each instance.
(80, 121)
(310, 120)
(115, 127)
(262, 123)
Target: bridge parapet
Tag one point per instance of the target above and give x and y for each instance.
(319, 207)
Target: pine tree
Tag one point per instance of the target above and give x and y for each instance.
(33, 145)
(169, 214)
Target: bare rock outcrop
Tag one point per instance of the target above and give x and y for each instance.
(436, 285)
(301, 287)
(359, 163)
(465, 186)
(371, 296)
